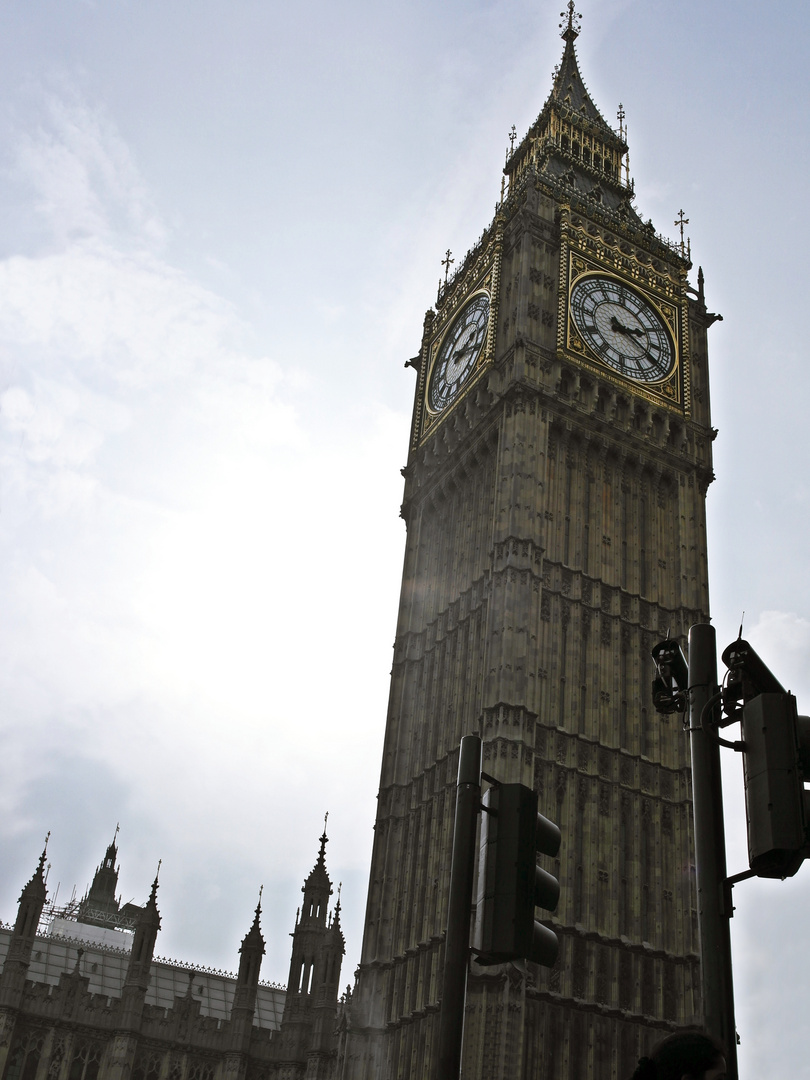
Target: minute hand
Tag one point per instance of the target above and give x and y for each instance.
(621, 329)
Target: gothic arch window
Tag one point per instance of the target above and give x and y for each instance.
(85, 1063)
(200, 1069)
(146, 1067)
(23, 1059)
(565, 143)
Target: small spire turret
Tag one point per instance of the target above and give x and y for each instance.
(251, 952)
(253, 942)
(29, 912)
(310, 1006)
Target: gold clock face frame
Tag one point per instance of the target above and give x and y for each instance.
(621, 326)
(658, 291)
(458, 353)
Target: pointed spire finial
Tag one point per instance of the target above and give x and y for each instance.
(680, 220)
(570, 29)
(324, 841)
(335, 923)
(447, 262)
(153, 893)
(44, 854)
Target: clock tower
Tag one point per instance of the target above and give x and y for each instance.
(555, 490)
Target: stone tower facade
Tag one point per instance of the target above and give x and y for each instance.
(554, 499)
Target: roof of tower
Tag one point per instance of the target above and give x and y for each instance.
(572, 147)
(35, 889)
(569, 91)
(112, 848)
(253, 938)
(318, 875)
(149, 913)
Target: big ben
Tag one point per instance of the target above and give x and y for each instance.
(555, 489)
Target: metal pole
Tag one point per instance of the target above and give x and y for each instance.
(457, 939)
(710, 850)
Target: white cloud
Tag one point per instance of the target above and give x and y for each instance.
(173, 622)
(82, 176)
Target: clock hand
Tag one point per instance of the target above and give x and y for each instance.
(619, 328)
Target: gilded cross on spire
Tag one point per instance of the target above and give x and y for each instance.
(680, 221)
(572, 26)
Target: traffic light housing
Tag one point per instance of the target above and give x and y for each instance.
(776, 764)
(510, 883)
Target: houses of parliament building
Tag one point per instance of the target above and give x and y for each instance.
(559, 459)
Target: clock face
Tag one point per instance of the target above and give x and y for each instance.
(622, 328)
(459, 352)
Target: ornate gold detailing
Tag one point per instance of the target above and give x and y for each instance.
(592, 250)
(571, 29)
(486, 268)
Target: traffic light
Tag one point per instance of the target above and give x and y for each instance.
(776, 760)
(776, 764)
(670, 684)
(510, 883)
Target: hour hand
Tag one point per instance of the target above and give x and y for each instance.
(621, 329)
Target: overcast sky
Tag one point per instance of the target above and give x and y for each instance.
(221, 223)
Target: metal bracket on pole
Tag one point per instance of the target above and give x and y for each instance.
(727, 902)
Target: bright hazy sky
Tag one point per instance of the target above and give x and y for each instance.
(221, 223)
